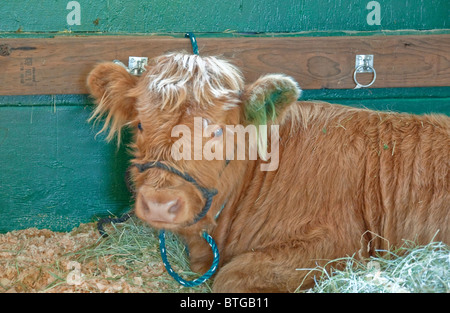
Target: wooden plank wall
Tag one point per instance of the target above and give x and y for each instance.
(32, 66)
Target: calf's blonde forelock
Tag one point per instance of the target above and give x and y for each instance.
(177, 78)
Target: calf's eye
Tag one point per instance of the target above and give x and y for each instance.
(218, 132)
(140, 126)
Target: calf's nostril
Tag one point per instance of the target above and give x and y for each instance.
(175, 207)
(144, 205)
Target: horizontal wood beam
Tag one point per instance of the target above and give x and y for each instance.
(32, 66)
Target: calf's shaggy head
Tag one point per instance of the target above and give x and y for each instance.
(179, 96)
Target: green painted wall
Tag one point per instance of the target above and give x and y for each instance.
(156, 16)
(54, 172)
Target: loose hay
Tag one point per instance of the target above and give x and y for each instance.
(409, 269)
(33, 260)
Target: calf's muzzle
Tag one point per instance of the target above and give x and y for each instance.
(154, 207)
(166, 206)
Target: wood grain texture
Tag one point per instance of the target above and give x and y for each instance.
(400, 61)
(60, 65)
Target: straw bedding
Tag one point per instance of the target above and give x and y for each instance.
(33, 260)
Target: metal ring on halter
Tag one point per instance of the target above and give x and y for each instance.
(367, 68)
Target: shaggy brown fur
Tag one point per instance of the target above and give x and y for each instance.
(346, 176)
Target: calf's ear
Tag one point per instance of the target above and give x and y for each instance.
(265, 100)
(112, 87)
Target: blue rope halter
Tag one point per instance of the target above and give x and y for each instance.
(208, 194)
(197, 281)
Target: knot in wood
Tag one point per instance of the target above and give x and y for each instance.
(5, 50)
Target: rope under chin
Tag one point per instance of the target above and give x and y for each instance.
(178, 278)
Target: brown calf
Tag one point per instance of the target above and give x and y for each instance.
(344, 177)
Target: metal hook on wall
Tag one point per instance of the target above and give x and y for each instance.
(364, 64)
(136, 65)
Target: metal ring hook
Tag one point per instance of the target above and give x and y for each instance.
(365, 67)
